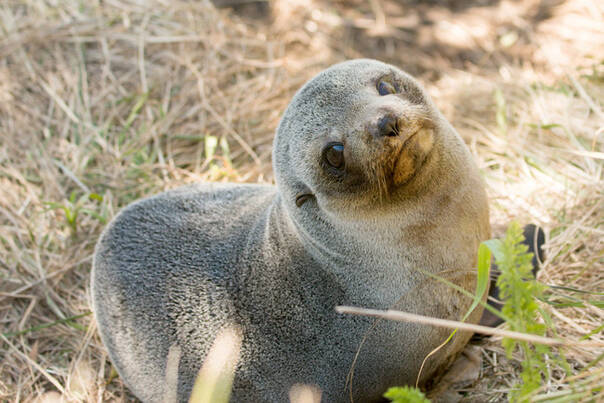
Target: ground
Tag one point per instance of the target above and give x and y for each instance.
(104, 102)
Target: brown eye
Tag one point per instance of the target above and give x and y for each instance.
(385, 88)
(333, 154)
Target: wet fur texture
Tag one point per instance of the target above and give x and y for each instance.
(175, 268)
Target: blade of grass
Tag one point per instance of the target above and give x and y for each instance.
(45, 325)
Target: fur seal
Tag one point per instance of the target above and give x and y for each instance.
(374, 188)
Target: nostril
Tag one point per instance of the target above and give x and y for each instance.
(388, 126)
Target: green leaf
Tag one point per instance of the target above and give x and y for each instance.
(543, 126)
(496, 248)
(140, 101)
(95, 196)
(73, 196)
(597, 330)
(483, 277)
(405, 394)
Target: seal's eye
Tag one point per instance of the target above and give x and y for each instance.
(333, 153)
(385, 88)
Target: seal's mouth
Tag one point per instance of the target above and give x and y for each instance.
(407, 141)
(412, 155)
(401, 145)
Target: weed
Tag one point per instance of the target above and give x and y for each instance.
(74, 206)
(519, 292)
(405, 394)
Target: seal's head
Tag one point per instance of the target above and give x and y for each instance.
(360, 135)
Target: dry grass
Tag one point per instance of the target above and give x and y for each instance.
(121, 100)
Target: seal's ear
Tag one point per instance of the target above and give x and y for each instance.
(303, 196)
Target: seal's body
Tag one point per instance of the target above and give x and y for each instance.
(374, 189)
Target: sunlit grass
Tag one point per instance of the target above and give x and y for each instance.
(102, 103)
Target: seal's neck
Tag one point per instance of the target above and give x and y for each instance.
(367, 257)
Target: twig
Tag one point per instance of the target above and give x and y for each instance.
(583, 94)
(451, 324)
(71, 176)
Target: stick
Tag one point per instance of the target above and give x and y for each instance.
(451, 324)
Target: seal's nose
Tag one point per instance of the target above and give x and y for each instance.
(388, 126)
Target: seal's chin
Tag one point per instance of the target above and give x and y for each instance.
(413, 154)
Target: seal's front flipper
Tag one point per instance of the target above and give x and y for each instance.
(534, 238)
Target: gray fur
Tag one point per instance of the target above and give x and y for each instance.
(179, 266)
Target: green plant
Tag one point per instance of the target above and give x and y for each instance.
(405, 394)
(74, 206)
(519, 292)
(225, 170)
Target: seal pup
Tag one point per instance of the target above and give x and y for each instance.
(374, 188)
